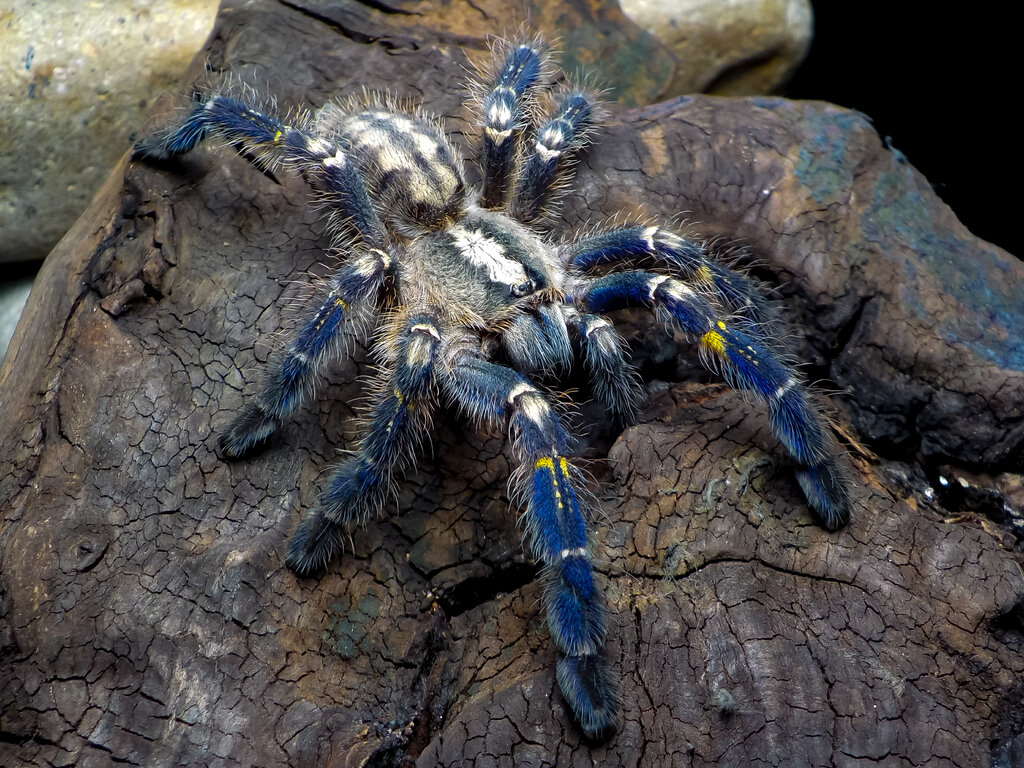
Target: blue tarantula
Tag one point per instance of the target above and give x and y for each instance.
(470, 302)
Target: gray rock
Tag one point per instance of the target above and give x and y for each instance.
(13, 296)
(85, 76)
(728, 47)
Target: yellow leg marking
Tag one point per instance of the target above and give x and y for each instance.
(401, 399)
(703, 274)
(337, 303)
(713, 341)
(548, 463)
(277, 137)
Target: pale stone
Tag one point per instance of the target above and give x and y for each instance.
(77, 80)
(13, 295)
(728, 47)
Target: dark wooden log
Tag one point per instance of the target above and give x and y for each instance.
(146, 616)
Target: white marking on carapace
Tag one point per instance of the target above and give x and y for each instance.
(485, 252)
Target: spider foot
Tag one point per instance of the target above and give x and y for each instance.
(249, 430)
(826, 491)
(588, 690)
(313, 545)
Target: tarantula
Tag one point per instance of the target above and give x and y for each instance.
(469, 303)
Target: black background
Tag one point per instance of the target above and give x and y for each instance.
(945, 87)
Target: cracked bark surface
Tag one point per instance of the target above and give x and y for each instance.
(146, 616)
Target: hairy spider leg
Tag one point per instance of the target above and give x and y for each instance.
(362, 483)
(266, 141)
(661, 247)
(557, 528)
(504, 117)
(352, 288)
(616, 383)
(555, 144)
(746, 364)
(538, 340)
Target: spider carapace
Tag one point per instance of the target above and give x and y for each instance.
(470, 304)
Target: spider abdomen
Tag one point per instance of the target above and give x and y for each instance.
(407, 162)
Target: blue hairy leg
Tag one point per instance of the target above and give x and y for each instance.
(504, 115)
(285, 385)
(662, 248)
(555, 144)
(361, 484)
(557, 529)
(747, 364)
(538, 341)
(268, 142)
(616, 384)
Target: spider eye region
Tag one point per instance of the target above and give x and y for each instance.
(524, 288)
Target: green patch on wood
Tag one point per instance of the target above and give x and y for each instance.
(348, 631)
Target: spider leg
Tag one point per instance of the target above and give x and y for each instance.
(557, 526)
(504, 116)
(267, 141)
(555, 144)
(616, 384)
(282, 390)
(361, 484)
(748, 365)
(662, 248)
(538, 340)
